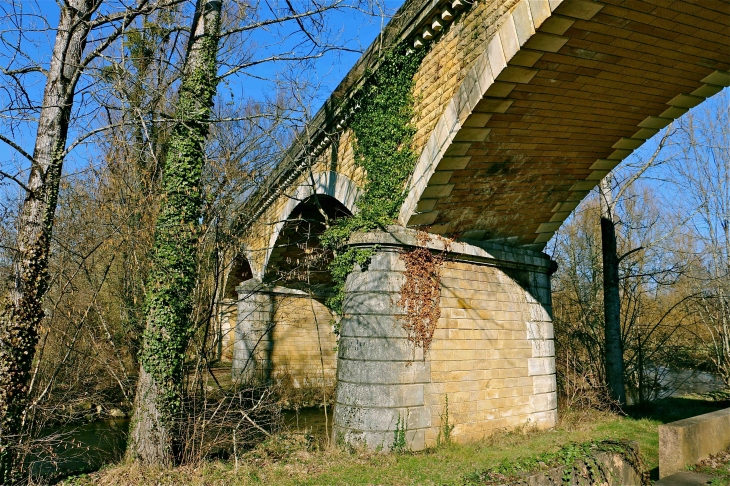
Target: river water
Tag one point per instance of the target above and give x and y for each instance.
(84, 448)
(679, 383)
(90, 446)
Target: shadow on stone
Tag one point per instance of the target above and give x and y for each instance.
(672, 409)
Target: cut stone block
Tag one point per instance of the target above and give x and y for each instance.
(685, 442)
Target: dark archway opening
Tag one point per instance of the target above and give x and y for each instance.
(240, 272)
(298, 260)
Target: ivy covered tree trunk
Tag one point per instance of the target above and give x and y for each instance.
(154, 438)
(21, 309)
(614, 354)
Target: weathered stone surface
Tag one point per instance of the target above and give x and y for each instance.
(282, 334)
(544, 383)
(385, 372)
(252, 349)
(371, 303)
(619, 471)
(371, 326)
(541, 366)
(686, 442)
(367, 395)
(382, 419)
(384, 348)
(488, 358)
(684, 478)
(379, 440)
(379, 281)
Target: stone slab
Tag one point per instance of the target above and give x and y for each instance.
(615, 466)
(686, 442)
(684, 478)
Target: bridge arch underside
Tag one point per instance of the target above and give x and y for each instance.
(284, 330)
(554, 104)
(297, 259)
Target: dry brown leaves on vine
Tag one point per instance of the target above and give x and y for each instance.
(421, 294)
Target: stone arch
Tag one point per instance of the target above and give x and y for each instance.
(620, 75)
(284, 330)
(241, 271)
(330, 183)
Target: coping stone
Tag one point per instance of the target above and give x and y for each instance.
(686, 442)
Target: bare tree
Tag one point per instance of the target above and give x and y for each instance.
(614, 353)
(85, 30)
(702, 174)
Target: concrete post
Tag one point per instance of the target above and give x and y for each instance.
(492, 356)
(253, 343)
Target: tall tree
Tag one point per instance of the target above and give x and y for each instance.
(613, 348)
(172, 277)
(611, 300)
(74, 51)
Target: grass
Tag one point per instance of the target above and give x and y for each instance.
(299, 460)
(717, 466)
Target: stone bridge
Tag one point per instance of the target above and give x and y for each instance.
(521, 107)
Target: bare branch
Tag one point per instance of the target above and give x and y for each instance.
(17, 147)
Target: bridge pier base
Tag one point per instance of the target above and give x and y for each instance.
(283, 335)
(491, 358)
(253, 343)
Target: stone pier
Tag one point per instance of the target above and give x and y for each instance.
(283, 334)
(492, 352)
(253, 344)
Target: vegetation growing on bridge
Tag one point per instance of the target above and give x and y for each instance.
(384, 137)
(421, 293)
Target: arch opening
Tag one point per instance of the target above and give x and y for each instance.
(297, 259)
(240, 272)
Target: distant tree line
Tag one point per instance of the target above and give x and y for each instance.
(665, 215)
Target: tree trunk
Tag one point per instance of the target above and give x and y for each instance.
(20, 310)
(611, 299)
(154, 437)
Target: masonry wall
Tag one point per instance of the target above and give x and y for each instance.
(485, 355)
(303, 352)
(227, 313)
(298, 348)
(492, 352)
(450, 57)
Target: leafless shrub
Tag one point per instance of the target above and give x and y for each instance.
(228, 422)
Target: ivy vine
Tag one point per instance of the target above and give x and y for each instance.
(172, 277)
(421, 293)
(384, 131)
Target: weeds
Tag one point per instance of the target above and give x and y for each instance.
(446, 428)
(400, 444)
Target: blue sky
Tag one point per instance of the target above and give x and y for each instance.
(349, 28)
(352, 30)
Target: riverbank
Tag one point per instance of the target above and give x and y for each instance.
(301, 459)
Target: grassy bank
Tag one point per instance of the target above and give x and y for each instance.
(299, 460)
